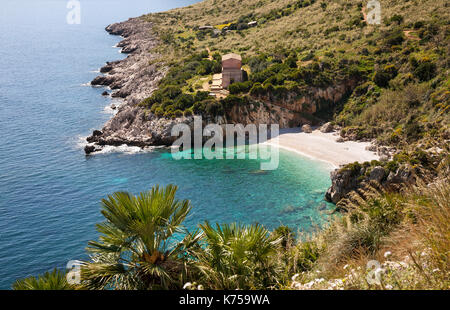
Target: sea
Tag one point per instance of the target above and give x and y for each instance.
(50, 191)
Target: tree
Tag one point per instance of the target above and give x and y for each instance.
(55, 280)
(138, 247)
(237, 256)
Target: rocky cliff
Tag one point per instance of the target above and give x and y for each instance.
(133, 79)
(137, 76)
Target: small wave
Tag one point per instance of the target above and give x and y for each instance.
(86, 84)
(81, 143)
(109, 110)
(115, 102)
(125, 149)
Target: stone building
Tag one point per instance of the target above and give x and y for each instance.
(231, 69)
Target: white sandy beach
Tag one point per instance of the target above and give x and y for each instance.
(323, 146)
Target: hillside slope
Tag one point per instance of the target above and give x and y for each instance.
(307, 62)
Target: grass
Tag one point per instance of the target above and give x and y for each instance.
(386, 63)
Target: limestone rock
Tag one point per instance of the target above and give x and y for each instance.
(328, 127)
(89, 149)
(377, 174)
(307, 128)
(342, 182)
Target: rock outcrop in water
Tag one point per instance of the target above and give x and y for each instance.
(133, 79)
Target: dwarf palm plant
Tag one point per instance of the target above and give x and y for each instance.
(237, 257)
(139, 246)
(55, 280)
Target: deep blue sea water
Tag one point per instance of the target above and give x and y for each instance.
(50, 191)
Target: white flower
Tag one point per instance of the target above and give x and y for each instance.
(296, 285)
(187, 285)
(200, 287)
(309, 284)
(294, 277)
(389, 287)
(387, 254)
(346, 266)
(320, 280)
(436, 270)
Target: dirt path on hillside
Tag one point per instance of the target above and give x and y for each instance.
(363, 11)
(210, 57)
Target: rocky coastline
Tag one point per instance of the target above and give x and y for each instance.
(132, 79)
(136, 77)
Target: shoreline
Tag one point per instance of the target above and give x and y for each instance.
(323, 147)
(131, 126)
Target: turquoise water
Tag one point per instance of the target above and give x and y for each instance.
(50, 192)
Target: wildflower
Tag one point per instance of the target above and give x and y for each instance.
(389, 287)
(387, 254)
(320, 280)
(187, 285)
(346, 266)
(294, 277)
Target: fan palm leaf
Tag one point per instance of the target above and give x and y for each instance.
(139, 245)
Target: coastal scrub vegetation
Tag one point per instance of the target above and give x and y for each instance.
(399, 97)
(144, 245)
(300, 47)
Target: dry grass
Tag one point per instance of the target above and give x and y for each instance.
(413, 252)
(304, 29)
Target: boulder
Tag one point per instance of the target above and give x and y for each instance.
(307, 128)
(342, 183)
(328, 127)
(97, 133)
(372, 148)
(129, 49)
(102, 80)
(105, 93)
(403, 175)
(384, 158)
(377, 174)
(382, 150)
(106, 68)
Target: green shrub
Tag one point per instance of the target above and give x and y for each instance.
(257, 90)
(395, 37)
(188, 112)
(286, 234)
(425, 71)
(308, 254)
(214, 108)
(159, 112)
(384, 75)
(397, 19)
(240, 87)
(178, 113)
